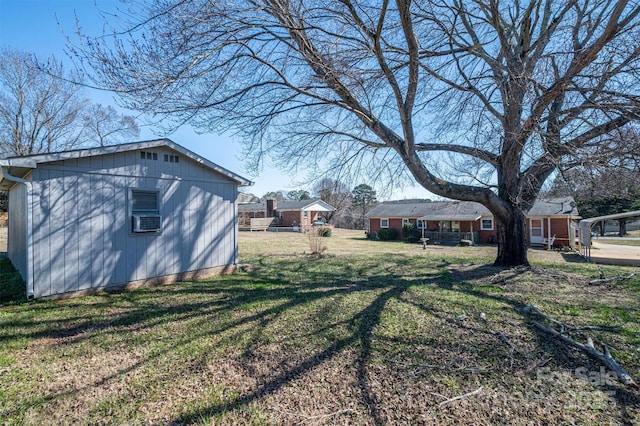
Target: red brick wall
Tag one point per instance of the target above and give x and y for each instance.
(484, 235)
(374, 226)
(289, 218)
(559, 228)
(296, 218)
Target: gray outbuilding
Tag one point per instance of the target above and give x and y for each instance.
(117, 216)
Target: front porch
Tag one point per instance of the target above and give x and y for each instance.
(448, 237)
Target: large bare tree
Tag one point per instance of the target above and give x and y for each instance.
(38, 112)
(43, 109)
(106, 126)
(476, 100)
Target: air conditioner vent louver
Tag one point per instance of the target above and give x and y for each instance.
(147, 222)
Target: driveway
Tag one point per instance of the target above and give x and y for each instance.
(614, 254)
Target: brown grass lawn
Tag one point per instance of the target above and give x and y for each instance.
(368, 333)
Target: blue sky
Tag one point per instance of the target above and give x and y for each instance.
(38, 26)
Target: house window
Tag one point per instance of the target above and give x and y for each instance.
(145, 211)
(421, 224)
(455, 226)
(384, 223)
(405, 221)
(306, 214)
(486, 224)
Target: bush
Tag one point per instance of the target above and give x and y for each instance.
(316, 243)
(12, 286)
(413, 239)
(387, 234)
(410, 232)
(408, 229)
(324, 232)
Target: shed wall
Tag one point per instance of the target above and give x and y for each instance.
(82, 221)
(17, 229)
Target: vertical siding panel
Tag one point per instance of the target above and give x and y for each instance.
(177, 205)
(39, 237)
(175, 225)
(130, 245)
(152, 241)
(71, 261)
(44, 227)
(222, 213)
(57, 231)
(210, 243)
(109, 255)
(231, 224)
(187, 233)
(41, 233)
(84, 228)
(170, 241)
(220, 224)
(96, 229)
(139, 267)
(17, 229)
(120, 229)
(185, 250)
(198, 230)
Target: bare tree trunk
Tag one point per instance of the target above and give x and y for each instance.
(512, 240)
(622, 227)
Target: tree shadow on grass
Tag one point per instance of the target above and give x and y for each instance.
(241, 311)
(565, 356)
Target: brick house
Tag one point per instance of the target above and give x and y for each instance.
(289, 213)
(549, 222)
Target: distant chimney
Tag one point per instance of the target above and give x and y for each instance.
(272, 205)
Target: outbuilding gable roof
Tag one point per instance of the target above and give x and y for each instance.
(22, 165)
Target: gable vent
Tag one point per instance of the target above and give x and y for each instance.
(146, 155)
(147, 223)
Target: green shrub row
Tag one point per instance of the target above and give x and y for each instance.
(387, 234)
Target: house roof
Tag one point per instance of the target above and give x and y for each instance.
(425, 210)
(314, 204)
(20, 166)
(260, 206)
(246, 198)
(561, 206)
(465, 210)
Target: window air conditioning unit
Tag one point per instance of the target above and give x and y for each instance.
(147, 223)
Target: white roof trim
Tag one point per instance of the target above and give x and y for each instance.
(32, 161)
(453, 218)
(318, 206)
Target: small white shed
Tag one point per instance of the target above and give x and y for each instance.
(120, 215)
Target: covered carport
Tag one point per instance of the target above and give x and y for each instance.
(585, 233)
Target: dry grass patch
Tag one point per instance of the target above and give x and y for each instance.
(368, 333)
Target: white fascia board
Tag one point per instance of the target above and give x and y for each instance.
(318, 206)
